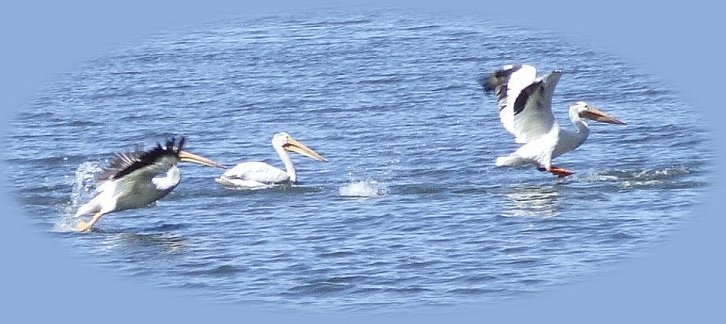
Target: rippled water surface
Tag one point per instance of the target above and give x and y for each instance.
(409, 212)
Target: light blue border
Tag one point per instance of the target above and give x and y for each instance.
(681, 281)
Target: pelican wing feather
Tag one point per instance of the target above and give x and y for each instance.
(525, 101)
(147, 162)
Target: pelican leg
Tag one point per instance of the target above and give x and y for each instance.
(560, 172)
(86, 227)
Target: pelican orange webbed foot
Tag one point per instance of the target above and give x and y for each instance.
(558, 171)
(83, 227)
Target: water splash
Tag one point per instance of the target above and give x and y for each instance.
(363, 188)
(640, 178)
(641, 175)
(83, 188)
(84, 184)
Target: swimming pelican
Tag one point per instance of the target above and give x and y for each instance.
(129, 182)
(525, 111)
(259, 174)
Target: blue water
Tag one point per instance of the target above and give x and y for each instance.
(409, 212)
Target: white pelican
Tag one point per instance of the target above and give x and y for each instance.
(254, 175)
(525, 111)
(129, 182)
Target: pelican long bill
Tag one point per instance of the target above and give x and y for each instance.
(600, 116)
(185, 156)
(297, 147)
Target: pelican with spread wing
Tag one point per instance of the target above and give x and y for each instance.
(130, 180)
(255, 175)
(525, 110)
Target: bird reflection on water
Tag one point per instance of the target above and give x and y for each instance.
(164, 243)
(537, 202)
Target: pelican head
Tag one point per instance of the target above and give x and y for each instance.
(288, 143)
(582, 109)
(185, 156)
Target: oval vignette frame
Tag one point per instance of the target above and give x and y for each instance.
(660, 286)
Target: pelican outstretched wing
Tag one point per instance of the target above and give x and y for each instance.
(138, 160)
(525, 101)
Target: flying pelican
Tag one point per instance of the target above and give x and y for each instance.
(253, 175)
(525, 111)
(128, 181)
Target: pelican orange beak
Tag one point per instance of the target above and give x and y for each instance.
(598, 115)
(297, 147)
(185, 156)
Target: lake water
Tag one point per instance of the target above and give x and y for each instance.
(409, 212)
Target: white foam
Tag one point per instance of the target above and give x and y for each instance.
(365, 188)
(84, 183)
(82, 190)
